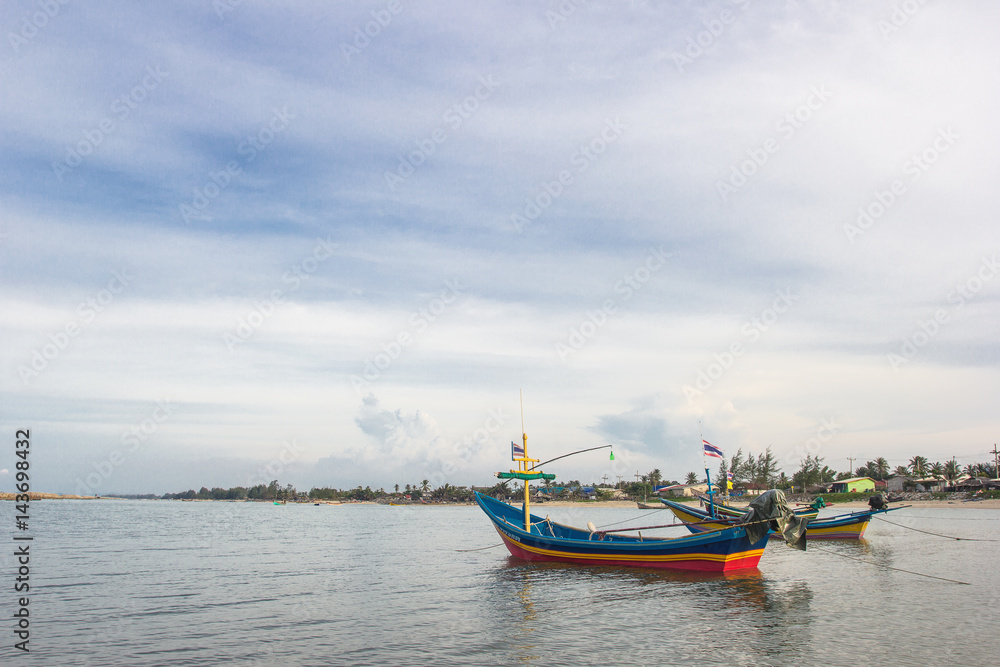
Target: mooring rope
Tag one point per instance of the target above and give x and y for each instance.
(492, 546)
(632, 519)
(889, 567)
(950, 537)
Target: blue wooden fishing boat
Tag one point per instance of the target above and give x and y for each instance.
(534, 538)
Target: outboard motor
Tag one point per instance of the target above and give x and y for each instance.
(877, 502)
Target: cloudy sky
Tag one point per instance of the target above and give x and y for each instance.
(329, 243)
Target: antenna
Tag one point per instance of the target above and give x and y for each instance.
(522, 411)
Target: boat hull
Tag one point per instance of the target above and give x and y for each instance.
(722, 551)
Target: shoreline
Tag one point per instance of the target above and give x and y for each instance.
(992, 503)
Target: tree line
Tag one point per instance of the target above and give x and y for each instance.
(760, 470)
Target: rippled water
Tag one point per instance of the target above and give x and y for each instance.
(169, 583)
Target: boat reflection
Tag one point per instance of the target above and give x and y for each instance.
(537, 608)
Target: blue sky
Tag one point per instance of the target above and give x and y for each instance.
(330, 244)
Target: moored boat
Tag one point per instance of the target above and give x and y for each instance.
(721, 550)
(533, 538)
(844, 527)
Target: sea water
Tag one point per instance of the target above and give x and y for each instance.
(135, 583)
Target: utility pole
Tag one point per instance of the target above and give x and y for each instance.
(851, 460)
(604, 480)
(619, 481)
(996, 460)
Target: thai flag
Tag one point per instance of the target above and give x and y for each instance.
(516, 451)
(729, 476)
(712, 450)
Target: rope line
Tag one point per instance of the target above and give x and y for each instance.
(493, 546)
(632, 519)
(964, 539)
(889, 567)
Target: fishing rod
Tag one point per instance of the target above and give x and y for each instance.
(539, 465)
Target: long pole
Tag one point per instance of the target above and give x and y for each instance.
(524, 466)
(708, 477)
(996, 460)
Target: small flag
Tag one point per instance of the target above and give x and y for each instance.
(516, 451)
(712, 450)
(729, 476)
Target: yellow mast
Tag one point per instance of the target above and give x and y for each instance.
(523, 467)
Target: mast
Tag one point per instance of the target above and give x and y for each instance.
(708, 477)
(523, 467)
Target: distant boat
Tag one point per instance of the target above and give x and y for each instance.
(651, 506)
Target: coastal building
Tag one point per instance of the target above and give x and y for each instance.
(853, 485)
(899, 483)
(688, 490)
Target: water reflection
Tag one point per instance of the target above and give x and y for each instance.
(537, 609)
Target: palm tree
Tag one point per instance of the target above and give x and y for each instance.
(901, 471)
(918, 464)
(397, 488)
(425, 485)
(692, 478)
(952, 470)
(881, 468)
(736, 464)
(655, 477)
(936, 469)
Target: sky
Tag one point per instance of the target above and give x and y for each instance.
(334, 243)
